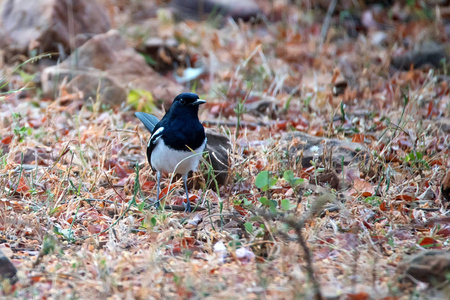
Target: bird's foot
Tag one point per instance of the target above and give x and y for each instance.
(187, 207)
(157, 205)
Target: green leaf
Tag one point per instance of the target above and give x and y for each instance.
(419, 155)
(27, 78)
(141, 100)
(249, 227)
(153, 221)
(273, 206)
(67, 233)
(288, 175)
(141, 206)
(264, 201)
(49, 244)
(291, 179)
(342, 112)
(273, 182)
(285, 204)
(264, 181)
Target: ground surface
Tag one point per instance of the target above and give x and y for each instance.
(76, 222)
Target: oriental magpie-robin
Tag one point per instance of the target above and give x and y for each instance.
(177, 141)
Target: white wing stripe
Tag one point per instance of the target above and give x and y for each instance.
(155, 136)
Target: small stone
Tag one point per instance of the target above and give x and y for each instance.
(94, 85)
(7, 269)
(201, 9)
(44, 24)
(313, 148)
(107, 60)
(430, 54)
(428, 266)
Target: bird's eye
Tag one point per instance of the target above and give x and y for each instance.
(182, 101)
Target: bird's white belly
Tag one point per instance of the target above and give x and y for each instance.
(165, 159)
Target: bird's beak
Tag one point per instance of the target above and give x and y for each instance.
(198, 102)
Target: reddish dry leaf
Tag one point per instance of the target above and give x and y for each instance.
(367, 225)
(97, 228)
(405, 197)
(383, 206)
(164, 192)
(22, 187)
(308, 170)
(378, 239)
(122, 172)
(148, 185)
(4, 203)
(179, 200)
(282, 125)
(336, 73)
(444, 231)
(430, 243)
(392, 158)
(358, 138)
(436, 162)
(430, 108)
(184, 293)
(259, 165)
(362, 187)
(242, 211)
(301, 122)
(359, 296)
(188, 242)
(6, 140)
(185, 243)
(36, 278)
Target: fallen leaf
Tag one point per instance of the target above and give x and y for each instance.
(6, 140)
(429, 243)
(362, 187)
(358, 138)
(359, 296)
(405, 197)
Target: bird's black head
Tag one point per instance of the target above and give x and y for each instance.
(188, 99)
(186, 103)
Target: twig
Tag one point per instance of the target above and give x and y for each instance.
(309, 266)
(326, 24)
(114, 189)
(130, 203)
(233, 124)
(182, 208)
(89, 200)
(298, 225)
(20, 176)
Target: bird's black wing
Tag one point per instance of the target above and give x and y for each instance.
(156, 135)
(148, 120)
(152, 124)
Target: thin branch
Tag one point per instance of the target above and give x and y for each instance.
(326, 24)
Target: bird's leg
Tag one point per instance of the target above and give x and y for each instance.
(158, 179)
(188, 204)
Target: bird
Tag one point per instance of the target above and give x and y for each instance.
(177, 141)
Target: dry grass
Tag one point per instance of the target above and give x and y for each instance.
(78, 226)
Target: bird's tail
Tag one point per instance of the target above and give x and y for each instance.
(149, 120)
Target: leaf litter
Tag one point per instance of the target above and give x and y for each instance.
(77, 218)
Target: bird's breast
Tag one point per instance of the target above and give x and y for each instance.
(168, 160)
